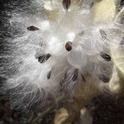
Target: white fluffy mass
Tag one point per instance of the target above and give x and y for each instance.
(40, 66)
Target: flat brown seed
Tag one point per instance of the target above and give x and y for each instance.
(105, 56)
(68, 46)
(44, 58)
(66, 4)
(32, 28)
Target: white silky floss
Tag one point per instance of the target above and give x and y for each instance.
(57, 26)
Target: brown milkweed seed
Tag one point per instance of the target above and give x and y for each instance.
(32, 28)
(66, 4)
(68, 46)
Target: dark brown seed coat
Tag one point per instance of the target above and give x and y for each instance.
(68, 46)
(32, 28)
(66, 4)
(44, 58)
(105, 56)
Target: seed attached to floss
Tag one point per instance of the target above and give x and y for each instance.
(105, 56)
(68, 46)
(66, 4)
(44, 58)
(32, 28)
